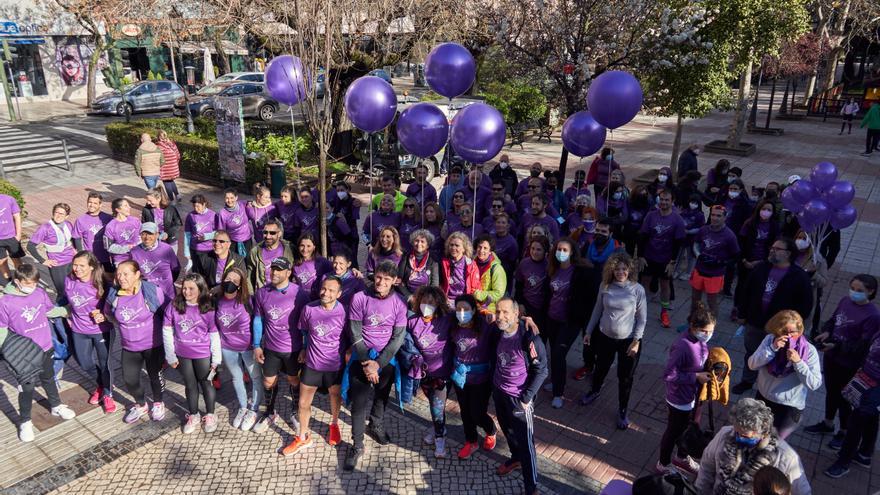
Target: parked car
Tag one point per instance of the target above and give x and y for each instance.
(255, 102)
(139, 97)
(382, 74)
(242, 76)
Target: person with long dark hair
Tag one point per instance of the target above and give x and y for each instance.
(57, 240)
(233, 218)
(532, 287)
(121, 233)
(158, 209)
(418, 268)
(199, 228)
(308, 265)
(260, 210)
(755, 238)
(192, 344)
(352, 282)
(285, 209)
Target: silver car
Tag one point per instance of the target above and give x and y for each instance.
(241, 76)
(255, 102)
(139, 97)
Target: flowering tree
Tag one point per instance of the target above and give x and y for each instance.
(795, 59)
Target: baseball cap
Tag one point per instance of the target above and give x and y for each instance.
(280, 264)
(793, 178)
(150, 227)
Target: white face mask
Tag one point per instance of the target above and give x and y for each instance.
(662, 178)
(733, 194)
(765, 215)
(341, 194)
(694, 206)
(26, 290)
(427, 309)
(802, 244)
(503, 164)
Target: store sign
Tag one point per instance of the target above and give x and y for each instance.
(230, 137)
(8, 28)
(131, 30)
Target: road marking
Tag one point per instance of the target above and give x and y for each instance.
(99, 137)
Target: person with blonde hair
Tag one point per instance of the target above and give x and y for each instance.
(459, 273)
(387, 247)
(148, 161)
(788, 367)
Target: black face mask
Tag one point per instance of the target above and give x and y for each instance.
(535, 173)
(600, 239)
(770, 194)
(229, 287)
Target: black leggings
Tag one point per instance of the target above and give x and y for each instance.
(133, 362)
(561, 338)
(171, 189)
(361, 390)
(57, 274)
(676, 423)
(97, 365)
(473, 401)
(436, 390)
(47, 378)
(872, 139)
(605, 349)
(195, 376)
(836, 377)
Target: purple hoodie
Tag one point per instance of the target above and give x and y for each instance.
(687, 356)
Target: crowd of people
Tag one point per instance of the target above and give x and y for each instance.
(481, 288)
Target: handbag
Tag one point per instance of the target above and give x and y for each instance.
(663, 484)
(694, 439)
(856, 388)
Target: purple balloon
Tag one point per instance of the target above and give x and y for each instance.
(805, 221)
(823, 175)
(284, 79)
(450, 69)
(817, 211)
(370, 103)
(843, 217)
(804, 191)
(790, 202)
(614, 98)
(423, 129)
(582, 135)
(478, 132)
(839, 194)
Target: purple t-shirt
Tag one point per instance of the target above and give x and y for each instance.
(560, 292)
(407, 227)
(511, 370)
(325, 334)
(157, 265)
(306, 221)
(761, 247)
(373, 260)
(308, 272)
(378, 316)
(83, 299)
(279, 310)
(234, 323)
(377, 220)
(472, 347)
(531, 275)
(432, 338)
(235, 223)
(287, 213)
(91, 230)
(268, 255)
(351, 285)
(662, 232)
(26, 316)
(8, 208)
(191, 331)
(507, 249)
(717, 248)
(126, 233)
(201, 223)
(457, 283)
(259, 215)
(853, 322)
(550, 224)
(471, 231)
(139, 328)
(420, 275)
(773, 279)
(159, 218)
(416, 190)
(45, 234)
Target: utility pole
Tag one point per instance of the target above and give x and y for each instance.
(7, 58)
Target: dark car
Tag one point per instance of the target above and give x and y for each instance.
(139, 97)
(255, 102)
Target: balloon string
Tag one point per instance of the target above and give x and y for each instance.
(370, 208)
(610, 167)
(295, 154)
(474, 209)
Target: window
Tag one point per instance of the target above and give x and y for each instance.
(163, 86)
(232, 91)
(252, 77)
(250, 89)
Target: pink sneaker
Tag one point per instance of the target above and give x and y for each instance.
(158, 411)
(109, 404)
(95, 398)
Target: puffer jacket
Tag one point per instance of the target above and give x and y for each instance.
(22, 355)
(148, 160)
(493, 283)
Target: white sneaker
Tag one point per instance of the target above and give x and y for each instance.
(250, 418)
(440, 447)
(548, 387)
(265, 422)
(63, 412)
(192, 422)
(239, 418)
(556, 403)
(662, 469)
(26, 432)
(429, 436)
(294, 422)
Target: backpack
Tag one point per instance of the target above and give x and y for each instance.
(664, 484)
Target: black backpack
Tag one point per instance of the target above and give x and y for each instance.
(664, 484)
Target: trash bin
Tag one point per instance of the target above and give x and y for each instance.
(277, 177)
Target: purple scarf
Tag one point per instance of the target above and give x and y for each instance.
(780, 365)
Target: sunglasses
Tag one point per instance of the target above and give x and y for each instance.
(409, 206)
(220, 241)
(534, 187)
(271, 232)
(497, 206)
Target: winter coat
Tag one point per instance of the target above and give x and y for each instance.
(170, 169)
(493, 284)
(472, 282)
(22, 355)
(148, 160)
(171, 222)
(793, 292)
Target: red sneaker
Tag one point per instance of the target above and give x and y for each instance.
(489, 442)
(334, 437)
(468, 450)
(582, 373)
(664, 318)
(109, 404)
(297, 444)
(95, 398)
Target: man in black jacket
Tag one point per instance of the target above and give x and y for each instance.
(773, 285)
(687, 161)
(504, 174)
(222, 254)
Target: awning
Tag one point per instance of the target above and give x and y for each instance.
(26, 41)
(197, 47)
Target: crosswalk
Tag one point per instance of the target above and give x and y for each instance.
(23, 150)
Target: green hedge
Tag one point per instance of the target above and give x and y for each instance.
(8, 189)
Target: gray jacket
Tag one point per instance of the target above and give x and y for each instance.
(621, 311)
(791, 389)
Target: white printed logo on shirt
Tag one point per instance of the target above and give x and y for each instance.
(376, 319)
(465, 344)
(661, 228)
(503, 359)
(771, 286)
(186, 326)
(78, 299)
(535, 280)
(709, 243)
(226, 319)
(148, 266)
(127, 314)
(427, 340)
(127, 235)
(275, 313)
(29, 313)
(320, 330)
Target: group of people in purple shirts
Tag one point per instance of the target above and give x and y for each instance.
(481, 288)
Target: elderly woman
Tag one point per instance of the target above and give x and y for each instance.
(788, 367)
(419, 267)
(738, 451)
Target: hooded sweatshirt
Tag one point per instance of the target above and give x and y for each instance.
(148, 160)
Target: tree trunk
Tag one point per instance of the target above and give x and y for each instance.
(221, 53)
(770, 105)
(742, 105)
(563, 162)
(92, 77)
(783, 108)
(811, 87)
(831, 68)
(793, 95)
(676, 146)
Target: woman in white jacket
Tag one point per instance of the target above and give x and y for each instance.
(738, 451)
(788, 367)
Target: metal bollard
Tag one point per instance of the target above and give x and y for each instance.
(66, 156)
(2, 171)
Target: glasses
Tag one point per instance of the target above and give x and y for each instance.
(220, 241)
(497, 206)
(409, 206)
(271, 232)
(534, 187)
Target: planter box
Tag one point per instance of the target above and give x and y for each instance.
(720, 146)
(791, 116)
(768, 131)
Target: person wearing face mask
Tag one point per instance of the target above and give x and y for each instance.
(687, 161)
(505, 175)
(615, 331)
(716, 183)
(577, 189)
(844, 340)
(25, 292)
(344, 206)
(158, 209)
(429, 359)
(535, 170)
(157, 260)
(421, 190)
(660, 239)
(715, 246)
(55, 238)
(685, 374)
(788, 368)
(581, 224)
(613, 204)
(233, 321)
(600, 171)
(817, 268)
(555, 196)
(738, 208)
(200, 227)
(755, 237)
(519, 364)
(694, 220)
(687, 186)
(774, 285)
(739, 451)
(220, 261)
(662, 182)
(640, 203)
(233, 218)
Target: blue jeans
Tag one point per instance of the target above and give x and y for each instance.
(235, 361)
(151, 180)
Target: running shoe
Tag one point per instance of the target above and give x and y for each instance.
(26, 432)
(687, 463)
(468, 450)
(661, 468)
(556, 403)
(209, 423)
(548, 386)
(429, 436)
(250, 418)
(351, 458)
(158, 411)
(192, 422)
(379, 434)
(95, 398)
(508, 467)
(837, 470)
(334, 436)
(622, 421)
(819, 428)
(589, 398)
(109, 404)
(63, 412)
(298, 443)
(440, 448)
(239, 418)
(489, 442)
(581, 373)
(665, 321)
(861, 460)
(135, 413)
(837, 441)
(265, 422)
